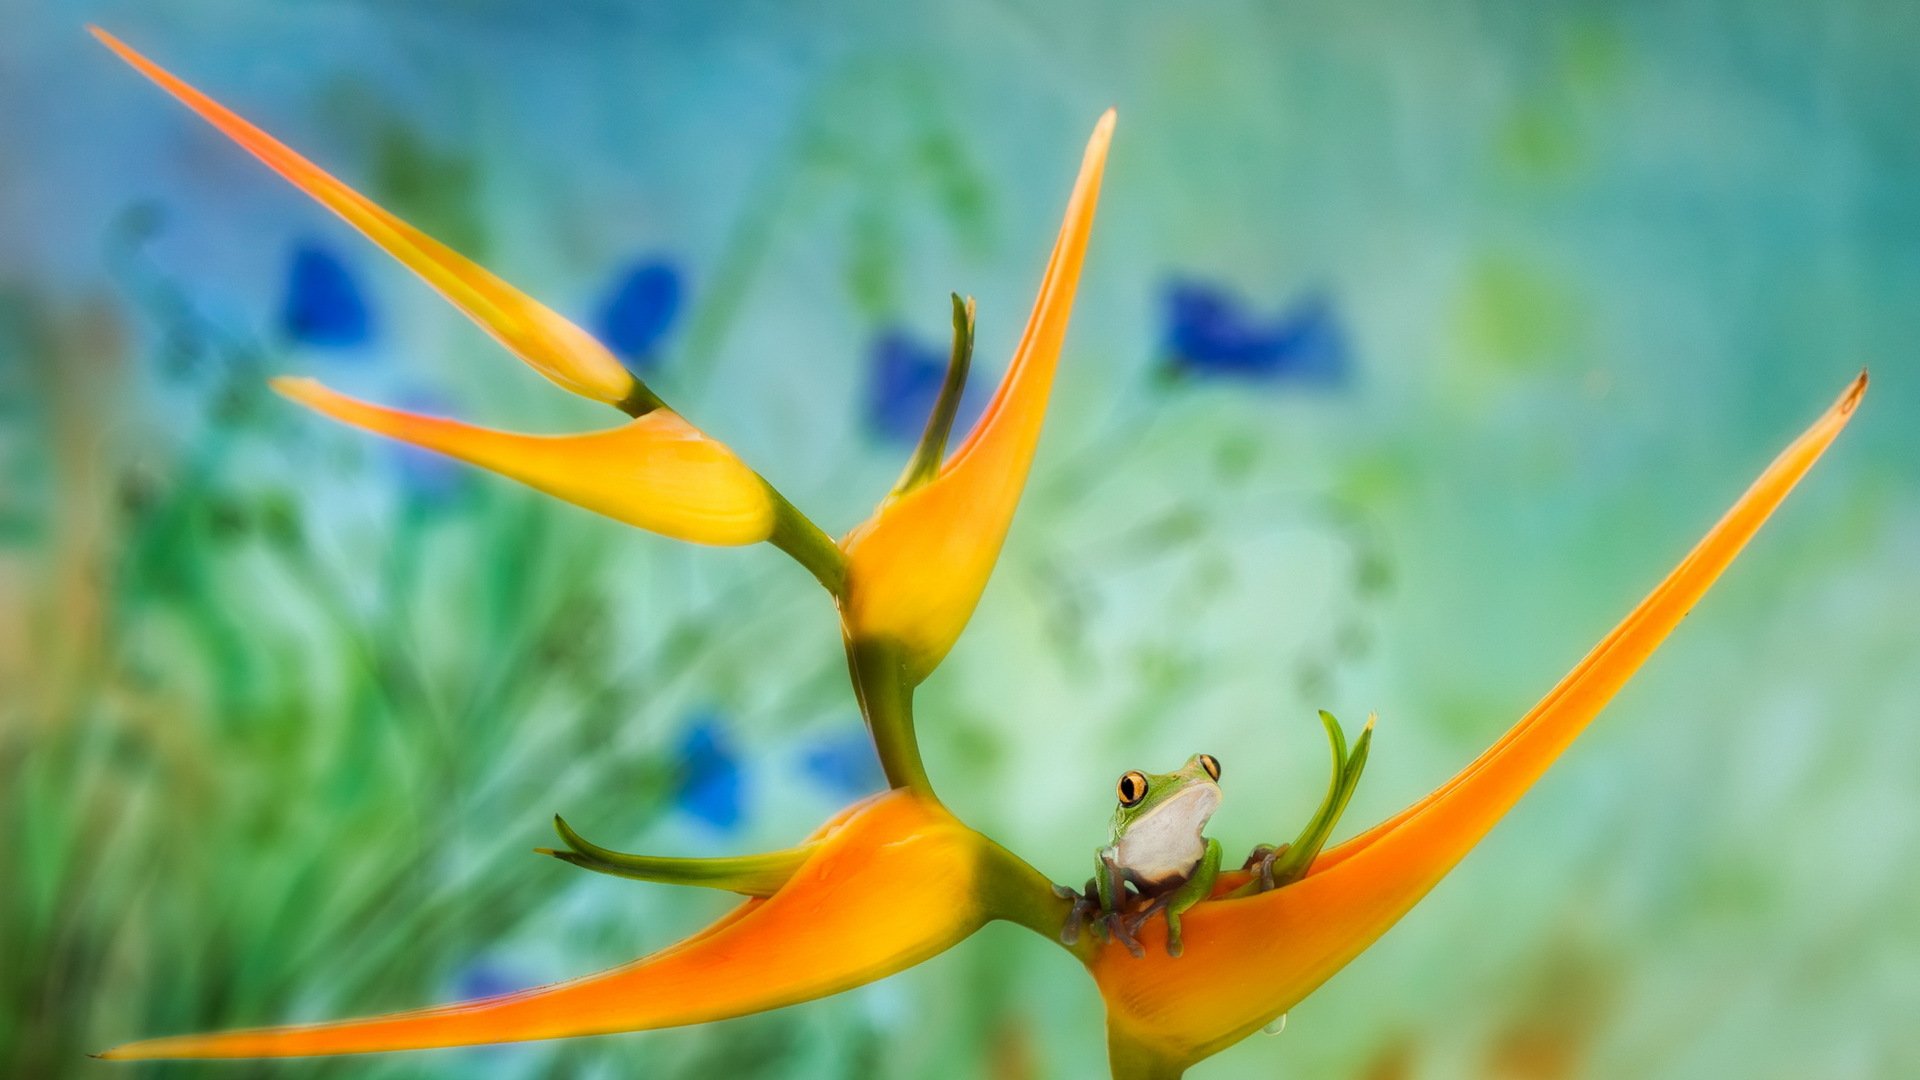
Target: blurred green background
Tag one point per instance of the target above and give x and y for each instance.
(1416, 342)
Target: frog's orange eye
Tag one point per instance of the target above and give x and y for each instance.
(1211, 764)
(1133, 788)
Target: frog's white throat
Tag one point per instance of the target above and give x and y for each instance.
(1165, 844)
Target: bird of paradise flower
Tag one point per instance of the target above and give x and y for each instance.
(897, 878)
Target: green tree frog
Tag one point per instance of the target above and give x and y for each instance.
(1156, 845)
(1158, 858)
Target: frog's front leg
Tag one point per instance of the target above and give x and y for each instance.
(1098, 903)
(1109, 880)
(1196, 888)
(1110, 887)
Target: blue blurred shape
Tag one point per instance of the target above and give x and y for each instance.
(481, 978)
(903, 382)
(844, 764)
(709, 785)
(323, 305)
(639, 310)
(1210, 333)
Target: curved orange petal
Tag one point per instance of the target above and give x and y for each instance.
(657, 472)
(917, 568)
(1249, 960)
(889, 887)
(556, 348)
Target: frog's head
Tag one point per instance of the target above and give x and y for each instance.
(1173, 805)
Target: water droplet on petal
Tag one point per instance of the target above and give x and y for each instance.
(1275, 1027)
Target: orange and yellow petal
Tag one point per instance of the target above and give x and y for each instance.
(915, 571)
(556, 348)
(1249, 960)
(656, 472)
(887, 888)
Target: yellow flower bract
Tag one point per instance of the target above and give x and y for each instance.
(657, 472)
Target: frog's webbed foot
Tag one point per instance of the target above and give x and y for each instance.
(1160, 903)
(1103, 905)
(1086, 907)
(1120, 928)
(1139, 918)
(1107, 925)
(1087, 910)
(1261, 863)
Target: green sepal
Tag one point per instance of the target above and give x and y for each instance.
(1298, 856)
(932, 449)
(749, 875)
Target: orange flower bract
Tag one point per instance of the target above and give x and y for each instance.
(1247, 961)
(915, 571)
(890, 885)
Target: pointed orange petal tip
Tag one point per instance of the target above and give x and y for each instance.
(891, 886)
(915, 571)
(657, 472)
(1249, 960)
(1854, 392)
(551, 345)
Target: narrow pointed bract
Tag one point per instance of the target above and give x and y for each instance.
(550, 344)
(892, 885)
(931, 450)
(915, 571)
(656, 472)
(1249, 960)
(749, 875)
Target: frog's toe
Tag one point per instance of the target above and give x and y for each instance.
(1086, 908)
(1132, 927)
(1077, 915)
(1115, 927)
(1261, 863)
(1174, 944)
(1140, 917)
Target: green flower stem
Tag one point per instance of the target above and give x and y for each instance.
(1014, 891)
(797, 535)
(884, 688)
